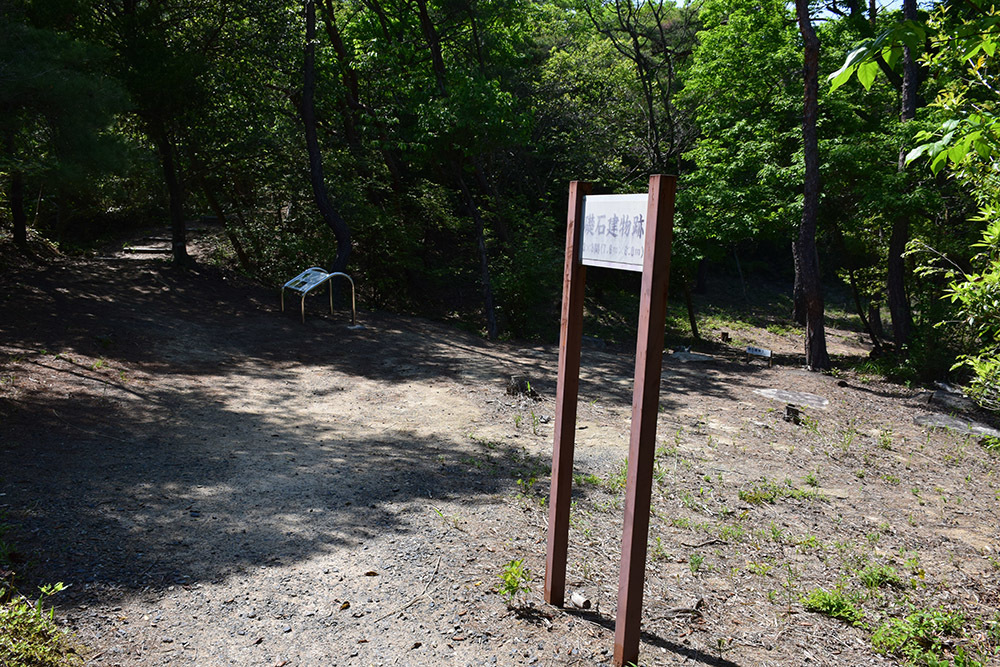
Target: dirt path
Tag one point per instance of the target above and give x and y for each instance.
(223, 485)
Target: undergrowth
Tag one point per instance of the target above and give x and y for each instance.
(29, 636)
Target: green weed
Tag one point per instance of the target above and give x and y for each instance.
(766, 491)
(616, 480)
(695, 562)
(836, 604)
(879, 576)
(29, 636)
(922, 638)
(760, 569)
(515, 580)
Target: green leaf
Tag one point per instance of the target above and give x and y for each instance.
(983, 148)
(938, 162)
(866, 74)
(840, 77)
(854, 58)
(892, 54)
(916, 153)
(958, 152)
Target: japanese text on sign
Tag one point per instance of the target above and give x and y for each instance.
(614, 230)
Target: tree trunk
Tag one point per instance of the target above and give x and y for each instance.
(433, 40)
(434, 44)
(16, 201)
(798, 294)
(330, 214)
(899, 305)
(806, 258)
(875, 319)
(178, 231)
(213, 203)
(876, 341)
(484, 263)
(690, 308)
(15, 198)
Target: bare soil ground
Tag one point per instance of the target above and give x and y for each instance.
(223, 485)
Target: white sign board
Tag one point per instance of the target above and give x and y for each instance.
(614, 231)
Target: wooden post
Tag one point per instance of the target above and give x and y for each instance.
(567, 387)
(645, 407)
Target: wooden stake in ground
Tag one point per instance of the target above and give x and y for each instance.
(645, 407)
(567, 387)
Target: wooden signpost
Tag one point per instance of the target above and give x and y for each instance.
(631, 232)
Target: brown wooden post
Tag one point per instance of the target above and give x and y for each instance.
(568, 384)
(645, 407)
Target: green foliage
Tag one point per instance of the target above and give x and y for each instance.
(924, 637)
(765, 491)
(515, 580)
(836, 604)
(875, 576)
(977, 296)
(57, 107)
(747, 180)
(29, 636)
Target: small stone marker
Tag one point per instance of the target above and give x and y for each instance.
(761, 352)
(792, 414)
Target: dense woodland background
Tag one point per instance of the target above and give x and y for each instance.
(426, 147)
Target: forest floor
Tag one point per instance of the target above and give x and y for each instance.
(220, 484)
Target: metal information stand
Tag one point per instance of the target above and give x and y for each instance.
(314, 278)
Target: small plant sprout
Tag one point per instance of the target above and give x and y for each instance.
(695, 562)
(885, 439)
(515, 581)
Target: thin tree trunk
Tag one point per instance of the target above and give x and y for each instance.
(178, 231)
(865, 322)
(433, 40)
(899, 305)
(331, 216)
(16, 202)
(690, 308)
(701, 282)
(798, 293)
(806, 258)
(875, 319)
(743, 282)
(484, 263)
(15, 198)
(213, 203)
(434, 44)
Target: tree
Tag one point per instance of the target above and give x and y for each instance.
(656, 37)
(745, 180)
(330, 214)
(899, 305)
(962, 40)
(56, 109)
(806, 257)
